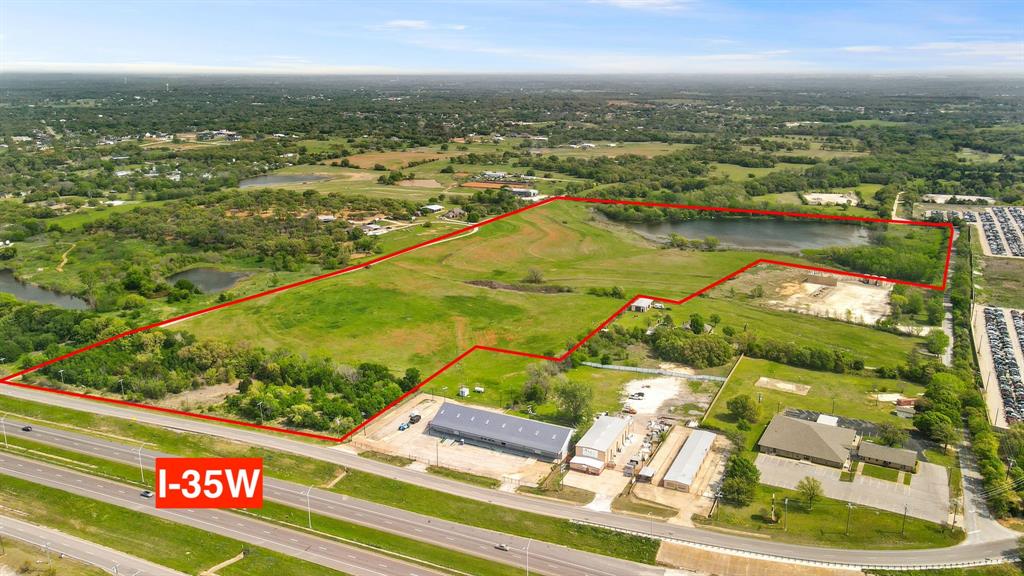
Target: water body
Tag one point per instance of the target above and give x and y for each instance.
(269, 180)
(209, 280)
(32, 293)
(770, 235)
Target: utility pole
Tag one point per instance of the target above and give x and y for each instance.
(260, 406)
(121, 382)
(903, 526)
(849, 513)
(785, 522)
(309, 510)
(48, 559)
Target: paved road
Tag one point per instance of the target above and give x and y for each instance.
(971, 551)
(82, 550)
(544, 558)
(346, 559)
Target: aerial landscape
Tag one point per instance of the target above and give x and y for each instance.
(647, 287)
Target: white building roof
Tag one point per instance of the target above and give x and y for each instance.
(587, 461)
(829, 420)
(644, 302)
(605, 431)
(687, 463)
(434, 207)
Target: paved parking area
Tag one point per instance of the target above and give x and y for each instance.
(927, 497)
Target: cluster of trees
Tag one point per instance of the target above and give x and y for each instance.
(546, 381)
(901, 252)
(697, 349)
(823, 358)
(741, 479)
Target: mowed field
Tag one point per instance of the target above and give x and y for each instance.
(418, 309)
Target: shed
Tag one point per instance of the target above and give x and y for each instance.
(641, 305)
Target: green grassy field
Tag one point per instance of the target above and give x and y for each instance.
(825, 523)
(418, 310)
(179, 547)
(996, 570)
(734, 172)
(880, 472)
(850, 392)
(1000, 281)
(78, 219)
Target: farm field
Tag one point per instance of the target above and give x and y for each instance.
(602, 148)
(1000, 281)
(850, 392)
(734, 172)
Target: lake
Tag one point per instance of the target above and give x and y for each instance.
(208, 280)
(32, 293)
(269, 180)
(770, 235)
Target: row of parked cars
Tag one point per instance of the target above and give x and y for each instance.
(992, 237)
(1008, 375)
(950, 216)
(1010, 232)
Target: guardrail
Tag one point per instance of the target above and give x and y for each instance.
(803, 561)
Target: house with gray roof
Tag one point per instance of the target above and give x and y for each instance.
(497, 430)
(887, 456)
(806, 440)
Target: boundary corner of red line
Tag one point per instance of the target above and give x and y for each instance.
(8, 380)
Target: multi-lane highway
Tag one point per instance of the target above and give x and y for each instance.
(59, 543)
(990, 544)
(326, 552)
(545, 558)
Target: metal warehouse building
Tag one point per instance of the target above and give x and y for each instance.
(600, 444)
(684, 469)
(486, 428)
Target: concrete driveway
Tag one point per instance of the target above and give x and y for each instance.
(927, 497)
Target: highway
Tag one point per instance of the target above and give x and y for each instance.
(84, 551)
(997, 544)
(325, 552)
(544, 557)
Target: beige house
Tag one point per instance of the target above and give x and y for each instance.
(897, 458)
(599, 446)
(806, 440)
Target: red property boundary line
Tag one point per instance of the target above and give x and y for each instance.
(945, 276)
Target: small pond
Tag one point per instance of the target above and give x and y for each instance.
(208, 280)
(9, 284)
(770, 235)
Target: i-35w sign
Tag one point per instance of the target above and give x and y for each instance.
(209, 482)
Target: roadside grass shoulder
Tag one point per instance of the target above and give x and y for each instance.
(25, 559)
(483, 515)
(825, 523)
(1009, 569)
(466, 477)
(386, 458)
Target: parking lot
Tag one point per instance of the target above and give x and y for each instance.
(383, 435)
(927, 497)
(1000, 344)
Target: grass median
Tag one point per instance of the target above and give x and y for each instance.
(179, 547)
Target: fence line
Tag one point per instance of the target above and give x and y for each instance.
(657, 371)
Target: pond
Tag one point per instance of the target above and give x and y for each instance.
(208, 280)
(32, 293)
(769, 235)
(268, 180)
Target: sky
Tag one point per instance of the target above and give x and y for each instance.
(512, 36)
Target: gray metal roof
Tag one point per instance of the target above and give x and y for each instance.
(829, 443)
(687, 463)
(503, 428)
(605, 431)
(887, 454)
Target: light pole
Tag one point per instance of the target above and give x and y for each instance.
(61, 372)
(115, 569)
(121, 382)
(3, 423)
(785, 521)
(260, 406)
(142, 471)
(48, 559)
(309, 510)
(903, 526)
(528, 542)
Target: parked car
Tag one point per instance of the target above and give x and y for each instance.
(403, 426)
(414, 418)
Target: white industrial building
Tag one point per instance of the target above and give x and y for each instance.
(683, 472)
(598, 447)
(641, 305)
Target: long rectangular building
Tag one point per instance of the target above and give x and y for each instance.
(686, 467)
(493, 429)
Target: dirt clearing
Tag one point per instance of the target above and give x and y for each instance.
(782, 386)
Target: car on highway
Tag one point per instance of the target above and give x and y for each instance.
(502, 547)
(26, 428)
(146, 494)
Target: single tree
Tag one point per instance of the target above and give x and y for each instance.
(574, 399)
(743, 408)
(534, 276)
(810, 489)
(892, 435)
